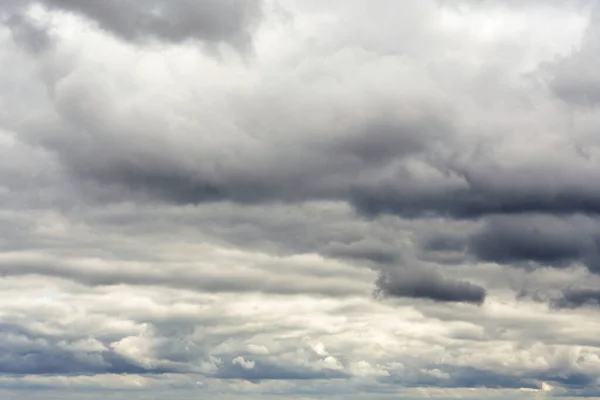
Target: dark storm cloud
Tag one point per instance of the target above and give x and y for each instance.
(504, 192)
(443, 247)
(478, 190)
(444, 243)
(427, 285)
(541, 239)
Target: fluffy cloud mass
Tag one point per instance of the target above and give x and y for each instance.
(242, 199)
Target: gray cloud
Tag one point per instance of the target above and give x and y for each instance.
(467, 377)
(185, 276)
(305, 171)
(413, 162)
(364, 250)
(209, 21)
(261, 370)
(29, 353)
(573, 78)
(481, 189)
(173, 220)
(444, 242)
(26, 34)
(574, 297)
(428, 285)
(539, 239)
(407, 166)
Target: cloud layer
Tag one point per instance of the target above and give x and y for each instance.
(300, 200)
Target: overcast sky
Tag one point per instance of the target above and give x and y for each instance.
(299, 199)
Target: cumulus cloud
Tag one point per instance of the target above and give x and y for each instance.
(299, 199)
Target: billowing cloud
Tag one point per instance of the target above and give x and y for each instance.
(299, 199)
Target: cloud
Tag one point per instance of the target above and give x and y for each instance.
(428, 285)
(27, 35)
(402, 152)
(542, 239)
(574, 297)
(29, 353)
(571, 77)
(414, 163)
(267, 371)
(207, 21)
(538, 240)
(444, 242)
(243, 363)
(216, 222)
(187, 275)
(451, 376)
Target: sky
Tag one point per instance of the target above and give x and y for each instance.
(299, 199)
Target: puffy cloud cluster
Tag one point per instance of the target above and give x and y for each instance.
(342, 199)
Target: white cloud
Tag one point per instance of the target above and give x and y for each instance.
(246, 364)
